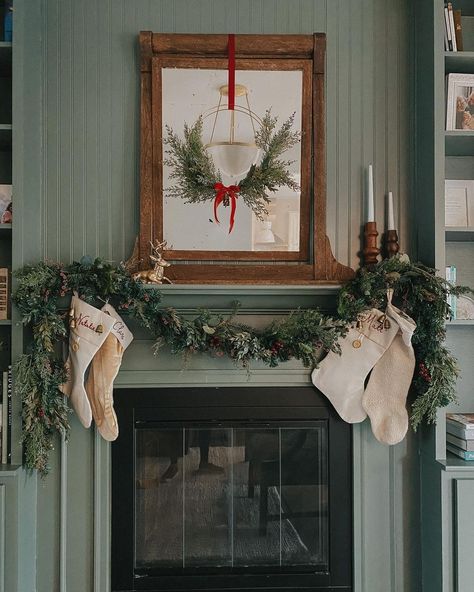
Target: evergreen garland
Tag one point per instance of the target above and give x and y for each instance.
(44, 290)
(194, 173)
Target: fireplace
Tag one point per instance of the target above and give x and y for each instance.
(230, 488)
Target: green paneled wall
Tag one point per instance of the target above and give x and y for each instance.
(77, 189)
(90, 108)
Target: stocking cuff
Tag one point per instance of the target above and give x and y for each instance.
(91, 324)
(119, 328)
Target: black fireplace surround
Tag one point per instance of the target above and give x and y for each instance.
(235, 488)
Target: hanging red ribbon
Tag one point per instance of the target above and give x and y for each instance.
(231, 70)
(221, 192)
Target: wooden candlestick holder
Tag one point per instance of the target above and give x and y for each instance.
(371, 252)
(391, 243)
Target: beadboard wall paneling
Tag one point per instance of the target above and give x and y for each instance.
(91, 94)
(80, 182)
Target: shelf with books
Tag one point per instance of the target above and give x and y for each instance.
(444, 153)
(460, 437)
(458, 26)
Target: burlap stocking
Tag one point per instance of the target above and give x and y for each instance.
(384, 399)
(89, 327)
(104, 369)
(341, 377)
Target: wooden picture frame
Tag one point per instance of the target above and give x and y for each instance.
(313, 261)
(460, 102)
(459, 203)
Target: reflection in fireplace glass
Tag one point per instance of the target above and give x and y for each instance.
(232, 497)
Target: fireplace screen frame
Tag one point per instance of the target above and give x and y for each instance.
(222, 406)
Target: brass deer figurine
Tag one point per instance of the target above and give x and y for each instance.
(157, 274)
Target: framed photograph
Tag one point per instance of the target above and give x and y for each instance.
(460, 102)
(5, 204)
(211, 192)
(459, 203)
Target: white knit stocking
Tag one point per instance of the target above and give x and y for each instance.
(89, 328)
(341, 377)
(104, 369)
(384, 399)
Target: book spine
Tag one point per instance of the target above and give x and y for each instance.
(4, 416)
(451, 299)
(3, 293)
(465, 454)
(458, 431)
(454, 299)
(458, 29)
(451, 25)
(465, 421)
(460, 442)
(448, 29)
(9, 414)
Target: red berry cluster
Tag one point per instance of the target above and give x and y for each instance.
(40, 412)
(276, 347)
(215, 341)
(424, 372)
(64, 288)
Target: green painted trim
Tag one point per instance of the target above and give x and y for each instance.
(464, 534)
(3, 548)
(170, 378)
(63, 521)
(102, 513)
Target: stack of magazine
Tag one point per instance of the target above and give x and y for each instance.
(460, 434)
(6, 416)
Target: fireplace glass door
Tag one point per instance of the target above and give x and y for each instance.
(242, 489)
(231, 496)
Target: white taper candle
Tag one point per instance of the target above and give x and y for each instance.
(390, 216)
(370, 195)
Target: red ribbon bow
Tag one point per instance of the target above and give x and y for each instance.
(221, 192)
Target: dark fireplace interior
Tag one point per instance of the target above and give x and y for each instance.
(230, 488)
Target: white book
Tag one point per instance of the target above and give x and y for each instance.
(465, 420)
(447, 27)
(456, 429)
(451, 274)
(451, 24)
(460, 442)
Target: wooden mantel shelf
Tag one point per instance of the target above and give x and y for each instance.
(262, 299)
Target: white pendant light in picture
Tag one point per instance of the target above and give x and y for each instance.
(232, 138)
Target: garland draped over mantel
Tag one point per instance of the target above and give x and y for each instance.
(304, 334)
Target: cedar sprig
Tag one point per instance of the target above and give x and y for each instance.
(194, 173)
(43, 293)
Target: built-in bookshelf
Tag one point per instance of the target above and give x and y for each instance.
(6, 234)
(445, 154)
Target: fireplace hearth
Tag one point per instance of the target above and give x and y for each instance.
(230, 488)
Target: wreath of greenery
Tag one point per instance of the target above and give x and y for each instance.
(195, 174)
(42, 299)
